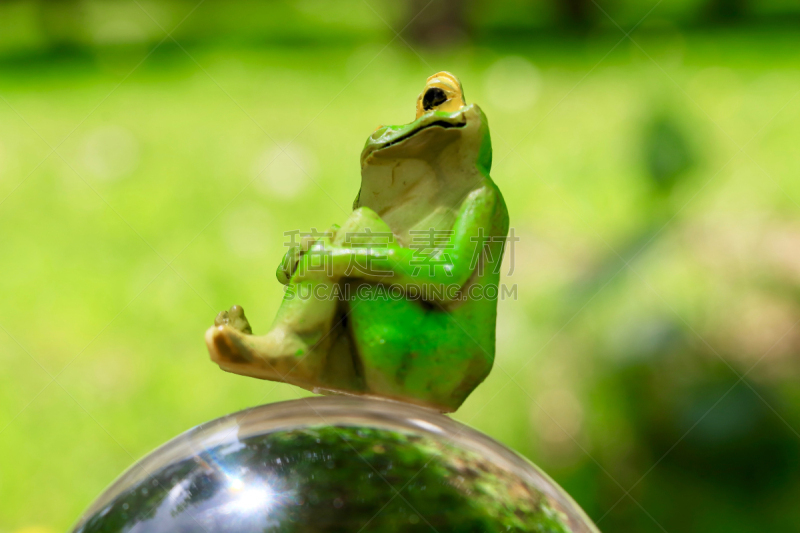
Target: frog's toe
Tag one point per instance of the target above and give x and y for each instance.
(235, 319)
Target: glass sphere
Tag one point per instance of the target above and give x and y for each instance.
(334, 464)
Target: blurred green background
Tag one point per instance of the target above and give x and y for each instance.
(650, 362)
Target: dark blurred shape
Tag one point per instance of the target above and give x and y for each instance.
(727, 10)
(63, 23)
(442, 22)
(720, 449)
(576, 14)
(738, 442)
(706, 424)
(667, 151)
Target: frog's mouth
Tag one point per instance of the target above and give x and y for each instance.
(388, 136)
(437, 123)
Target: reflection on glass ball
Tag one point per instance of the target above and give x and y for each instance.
(334, 464)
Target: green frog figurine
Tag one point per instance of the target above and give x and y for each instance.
(400, 301)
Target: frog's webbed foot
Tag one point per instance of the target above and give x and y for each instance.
(272, 356)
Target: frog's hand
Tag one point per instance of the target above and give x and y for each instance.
(291, 259)
(288, 265)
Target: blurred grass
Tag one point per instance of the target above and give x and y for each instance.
(118, 250)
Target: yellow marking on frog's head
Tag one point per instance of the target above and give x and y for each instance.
(442, 92)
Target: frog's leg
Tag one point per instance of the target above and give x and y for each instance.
(414, 351)
(305, 345)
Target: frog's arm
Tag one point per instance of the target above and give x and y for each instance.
(397, 265)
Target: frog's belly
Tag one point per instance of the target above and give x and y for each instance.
(422, 227)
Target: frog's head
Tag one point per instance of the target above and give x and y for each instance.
(446, 132)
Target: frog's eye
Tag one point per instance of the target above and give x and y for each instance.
(442, 92)
(433, 97)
